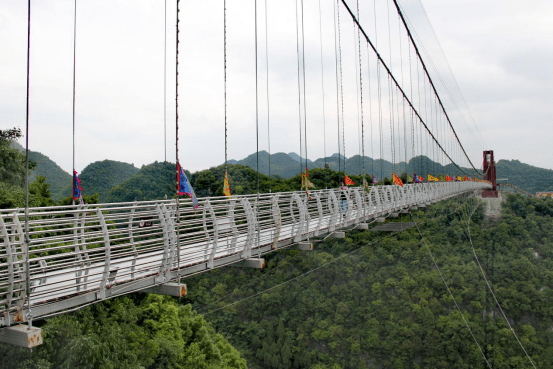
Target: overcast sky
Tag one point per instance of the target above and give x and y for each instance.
(500, 52)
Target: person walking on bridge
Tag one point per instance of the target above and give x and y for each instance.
(343, 198)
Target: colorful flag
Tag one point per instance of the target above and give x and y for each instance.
(77, 190)
(419, 179)
(459, 178)
(410, 179)
(226, 187)
(431, 178)
(184, 187)
(348, 181)
(397, 180)
(441, 177)
(375, 180)
(307, 181)
(448, 178)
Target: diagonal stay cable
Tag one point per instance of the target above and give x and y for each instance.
(432, 83)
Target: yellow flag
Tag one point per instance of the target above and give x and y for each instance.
(431, 178)
(226, 187)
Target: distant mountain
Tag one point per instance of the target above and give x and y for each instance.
(297, 158)
(57, 178)
(525, 176)
(288, 165)
(282, 164)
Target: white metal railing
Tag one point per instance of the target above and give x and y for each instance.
(79, 255)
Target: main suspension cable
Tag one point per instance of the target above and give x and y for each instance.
(299, 83)
(29, 314)
(304, 93)
(341, 92)
(268, 105)
(323, 90)
(397, 84)
(337, 91)
(165, 85)
(177, 138)
(361, 100)
(433, 87)
(225, 72)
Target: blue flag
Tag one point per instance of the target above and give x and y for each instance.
(375, 180)
(184, 186)
(77, 190)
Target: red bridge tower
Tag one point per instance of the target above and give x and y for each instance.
(489, 175)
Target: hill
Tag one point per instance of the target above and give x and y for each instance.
(58, 179)
(151, 182)
(525, 176)
(156, 180)
(101, 176)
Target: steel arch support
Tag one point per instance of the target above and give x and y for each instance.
(107, 262)
(359, 204)
(252, 224)
(301, 212)
(233, 227)
(8, 248)
(211, 245)
(277, 219)
(321, 214)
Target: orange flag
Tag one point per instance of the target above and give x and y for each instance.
(397, 180)
(348, 181)
(226, 187)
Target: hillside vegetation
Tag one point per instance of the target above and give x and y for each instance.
(101, 176)
(525, 176)
(139, 331)
(376, 300)
(153, 181)
(58, 179)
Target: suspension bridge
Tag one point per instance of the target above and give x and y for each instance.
(55, 260)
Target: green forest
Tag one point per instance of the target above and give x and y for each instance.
(377, 300)
(371, 300)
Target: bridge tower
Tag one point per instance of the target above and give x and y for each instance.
(489, 175)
